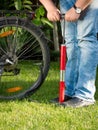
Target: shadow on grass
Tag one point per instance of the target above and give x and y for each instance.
(49, 90)
(17, 90)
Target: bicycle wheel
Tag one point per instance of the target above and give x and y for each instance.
(24, 58)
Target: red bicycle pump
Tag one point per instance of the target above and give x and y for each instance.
(62, 73)
(63, 60)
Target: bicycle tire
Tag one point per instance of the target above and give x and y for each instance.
(24, 58)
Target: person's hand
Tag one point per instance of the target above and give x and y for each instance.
(71, 15)
(53, 15)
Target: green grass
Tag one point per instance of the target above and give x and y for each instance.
(41, 115)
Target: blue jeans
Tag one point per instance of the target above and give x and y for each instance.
(82, 52)
(97, 25)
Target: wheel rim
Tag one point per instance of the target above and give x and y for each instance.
(21, 62)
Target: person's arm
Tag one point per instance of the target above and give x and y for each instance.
(48, 4)
(71, 14)
(53, 13)
(83, 3)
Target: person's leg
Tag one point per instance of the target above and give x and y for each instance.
(71, 45)
(88, 54)
(72, 51)
(97, 27)
(87, 58)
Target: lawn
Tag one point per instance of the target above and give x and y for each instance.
(36, 113)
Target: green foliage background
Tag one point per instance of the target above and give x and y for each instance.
(39, 18)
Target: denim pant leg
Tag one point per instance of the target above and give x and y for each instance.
(71, 45)
(88, 54)
(72, 52)
(97, 25)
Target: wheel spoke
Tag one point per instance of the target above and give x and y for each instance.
(24, 59)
